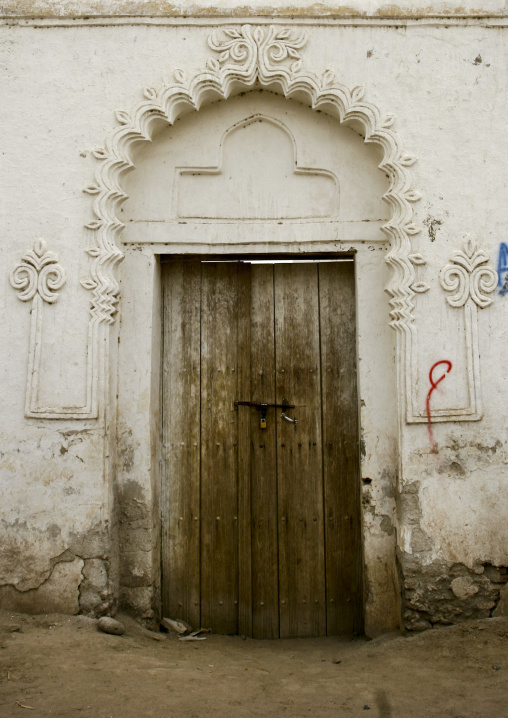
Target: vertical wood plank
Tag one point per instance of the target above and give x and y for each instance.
(181, 436)
(265, 588)
(341, 448)
(299, 453)
(219, 437)
(244, 444)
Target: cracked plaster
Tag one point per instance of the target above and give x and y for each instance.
(58, 593)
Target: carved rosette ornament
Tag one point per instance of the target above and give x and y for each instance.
(259, 51)
(38, 274)
(468, 277)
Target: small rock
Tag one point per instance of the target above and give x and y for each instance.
(111, 625)
(366, 707)
(496, 667)
(463, 587)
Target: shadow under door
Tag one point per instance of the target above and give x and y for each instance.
(261, 514)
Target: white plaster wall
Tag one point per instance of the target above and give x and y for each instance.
(447, 86)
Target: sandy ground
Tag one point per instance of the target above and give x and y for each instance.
(63, 666)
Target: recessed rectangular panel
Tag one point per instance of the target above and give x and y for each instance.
(257, 176)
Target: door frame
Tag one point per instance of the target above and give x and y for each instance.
(137, 451)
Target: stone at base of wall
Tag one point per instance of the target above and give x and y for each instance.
(138, 601)
(58, 594)
(95, 596)
(441, 594)
(502, 607)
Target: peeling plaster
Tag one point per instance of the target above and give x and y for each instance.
(58, 593)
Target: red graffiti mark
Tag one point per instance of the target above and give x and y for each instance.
(433, 385)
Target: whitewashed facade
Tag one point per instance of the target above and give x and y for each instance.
(394, 118)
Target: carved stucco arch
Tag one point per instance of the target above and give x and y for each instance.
(266, 56)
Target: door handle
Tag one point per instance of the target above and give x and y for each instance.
(288, 418)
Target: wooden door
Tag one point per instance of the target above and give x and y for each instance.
(261, 526)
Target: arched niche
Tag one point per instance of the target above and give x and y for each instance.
(274, 167)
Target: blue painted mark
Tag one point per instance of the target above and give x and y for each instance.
(502, 268)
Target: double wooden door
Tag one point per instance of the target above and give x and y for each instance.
(261, 526)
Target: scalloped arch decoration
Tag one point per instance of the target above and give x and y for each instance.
(268, 56)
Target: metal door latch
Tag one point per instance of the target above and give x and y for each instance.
(288, 418)
(263, 407)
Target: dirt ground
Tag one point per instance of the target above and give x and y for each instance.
(57, 665)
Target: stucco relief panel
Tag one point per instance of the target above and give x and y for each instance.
(270, 57)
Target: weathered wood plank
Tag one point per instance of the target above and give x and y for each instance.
(181, 437)
(219, 437)
(265, 581)
(299, 453)
(244, 444)
(341, 448)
